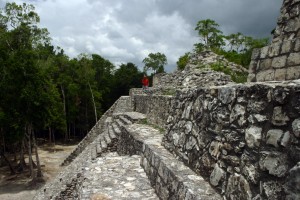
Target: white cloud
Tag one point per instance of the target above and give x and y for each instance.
(127, 31)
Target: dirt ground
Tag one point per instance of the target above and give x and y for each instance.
(19, 187)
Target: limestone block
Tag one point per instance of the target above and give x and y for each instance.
(253, 136)
(238, 187)
(293, 59)
(188, 127)
(297, 45)
(292, 186)
(251, 172)
(292, 25)
(286, 47)
(267, 75)
(251, 78)
(275, 163)
(215, 149)
(274, 49)
(256, 106)
(285, 139)
(279, 118)
(296, 127)
(293, 73)
(280, 74)
(253, 119)
(273, 137)
(279, 62)
(217, 175)
(255, 54)
(191, 142)
(226, 95)
(280, 95)
(264, 64)
(273, 190)
(238, 113)
(252, 66)
(264, 52)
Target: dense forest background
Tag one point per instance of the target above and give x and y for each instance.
(48, 96)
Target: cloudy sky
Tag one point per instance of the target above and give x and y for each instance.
(128, 30)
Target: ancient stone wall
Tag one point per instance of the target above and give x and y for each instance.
(244, 139)
(198, 72)
(156, 107)
(281, 59)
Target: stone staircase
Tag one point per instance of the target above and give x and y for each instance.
(170, 178)
(124, 139)
(123, 104)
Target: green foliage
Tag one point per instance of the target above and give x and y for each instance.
(235, 76)
(209, 34)
(155, 62)
(182, 61)
(127, 76)
(238, 49)
(169, 91)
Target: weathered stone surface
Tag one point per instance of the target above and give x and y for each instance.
(297, 45)
(296, 127)
(273, 137)
(238, 187)
(286, 47)
(217, 174)
(275, 163)
(253, 136)
(293, 59)
(280, 74)
(285, 140)
(272, 190)
(279, 117)
(292, 187)
(264, 52)
(283, 51)
(251, 172)
(222, 138)
(274, 49)
(279, 62)
(293, 73)
(267, 75)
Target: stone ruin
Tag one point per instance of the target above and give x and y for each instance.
(198, 135)
(280, 60)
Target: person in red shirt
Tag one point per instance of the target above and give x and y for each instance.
(145, 82)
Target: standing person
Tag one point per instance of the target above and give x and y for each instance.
(145, 82)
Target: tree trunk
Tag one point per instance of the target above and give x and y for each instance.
(22, 163)
(50, 135)
(94, 104)
(28, 135)
(12, 171)
(65, 111)
(39, 169)
(3, 140)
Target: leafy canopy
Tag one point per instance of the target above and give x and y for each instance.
(155, 62)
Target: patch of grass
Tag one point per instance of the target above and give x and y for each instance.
(170, 92)
(237, 77)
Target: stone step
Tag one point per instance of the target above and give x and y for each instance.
(134, 116)
(125, 120)
(103, 145)
(119, 123)
(111, 133)
(168, 176)
(93, 152)
(98, 148)
(107, 138)
(116, 128)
